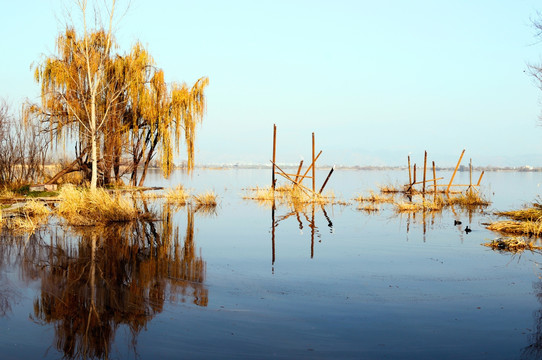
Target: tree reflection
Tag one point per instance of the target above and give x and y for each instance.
(102, 278)
(534, 351)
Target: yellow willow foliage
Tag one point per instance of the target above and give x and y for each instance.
(134, 104)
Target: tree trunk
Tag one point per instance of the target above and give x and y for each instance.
(148, 160)
(94, 155)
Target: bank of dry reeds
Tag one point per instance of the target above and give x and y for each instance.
(513, 244)
(90, 207)
(527, 221)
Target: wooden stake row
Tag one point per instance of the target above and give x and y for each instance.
(298, 180)
(412, 177)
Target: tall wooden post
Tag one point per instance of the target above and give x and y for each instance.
(313, 167)
(456, 167)
(424, 171)
(470, 175)
(435, 178)
(409, 172)
(274, 154)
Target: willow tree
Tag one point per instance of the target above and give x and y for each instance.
(73, 83)
(115, 104)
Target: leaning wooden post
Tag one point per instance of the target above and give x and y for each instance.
(456, 167)
(424, 171)
(274, 153)
(298, 170)
(313, 167)
(325, 182)
(480, 179)
(470, 175)
(435, 178)
(409, 172)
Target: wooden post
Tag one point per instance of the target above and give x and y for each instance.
(325, 182)
(274, 154)
(456, 167)
(435, 178)
(480, 179)
(409, 172)
(298, 170)
(424, 171)
(470, 175)
(310, 167)
(414, 174)
(313, 167)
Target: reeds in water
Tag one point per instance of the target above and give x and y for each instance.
(207, 199)
(470, 198)
(179, 195)
(374, 198)
(419, 203)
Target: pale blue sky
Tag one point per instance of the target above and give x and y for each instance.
(375, 80)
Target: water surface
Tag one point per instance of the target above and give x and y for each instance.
(324, 282)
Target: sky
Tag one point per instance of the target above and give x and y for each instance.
(375, 81)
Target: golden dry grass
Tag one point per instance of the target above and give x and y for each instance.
(374, 198)
(179, 195)
(91, 207)
(6, 193)
(527, 227)
(290, 195)
(527, 221)
(389, 189)
(513, 244)
(208, 199)
(35, 208)
(261, 194)
(470, 198)
(420, 203)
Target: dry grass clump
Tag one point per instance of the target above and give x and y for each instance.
(6, 193)
(419, 203)
(260, 194)
(34, 208)
(528, 227)
(389, 189)
(91, 207)
(290, 195)
(178, 196)
(374, 198)
(208, 199)
(514, 244)
(470, 198)
(527, 221)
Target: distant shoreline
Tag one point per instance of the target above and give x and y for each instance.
(366, 168)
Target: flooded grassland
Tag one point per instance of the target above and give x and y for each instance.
(246, 279)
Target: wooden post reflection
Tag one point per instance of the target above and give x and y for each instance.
(313, 228)
(273, 236)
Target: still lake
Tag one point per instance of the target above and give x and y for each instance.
(324, 283)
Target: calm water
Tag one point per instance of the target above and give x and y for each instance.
(329, 282)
